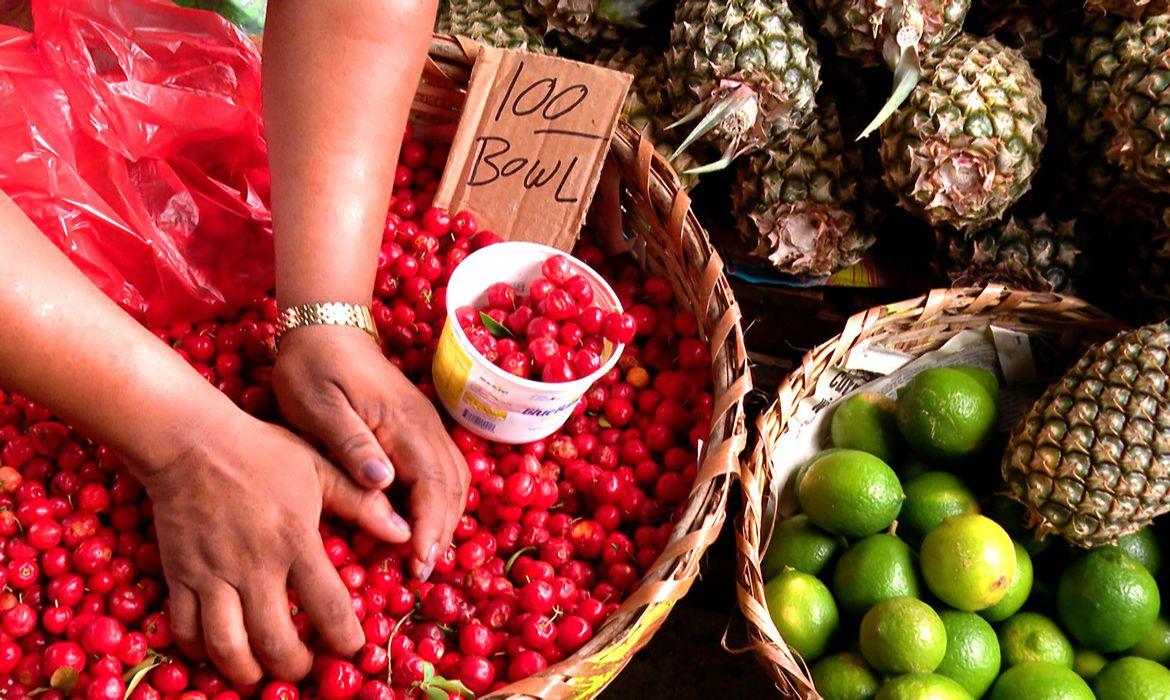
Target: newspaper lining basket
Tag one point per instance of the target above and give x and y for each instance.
(670, 242)
(916, 327)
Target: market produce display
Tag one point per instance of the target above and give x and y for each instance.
(906, 572)
(555, 535)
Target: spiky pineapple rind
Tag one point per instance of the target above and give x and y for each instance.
(1091, 459)
(1034, 253)
(966, 144)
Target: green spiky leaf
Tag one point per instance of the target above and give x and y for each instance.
(497, 329)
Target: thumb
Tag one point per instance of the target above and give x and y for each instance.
(366, 508)
(353, 444)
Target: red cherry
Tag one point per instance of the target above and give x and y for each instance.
(619, 328)
(557, 269)
(556, 370)
(340, 680)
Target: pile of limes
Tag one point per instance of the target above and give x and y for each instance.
(905, 577)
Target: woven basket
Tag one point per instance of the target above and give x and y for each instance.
(671, 243)
(915, 327)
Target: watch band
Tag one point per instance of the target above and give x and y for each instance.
(327, 314)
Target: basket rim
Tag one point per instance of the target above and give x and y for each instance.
(945, 311)
(688, 259)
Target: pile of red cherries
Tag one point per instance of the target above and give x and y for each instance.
(555, 333)
(555, 532)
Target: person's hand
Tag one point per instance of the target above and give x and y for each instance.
(334, 382)
(236, 515)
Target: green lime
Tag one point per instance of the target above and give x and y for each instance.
(903, 635)
(986, 379)
(1107, 600)
(866, 422)
(798, 544)
(1013, 517)
(931, 498)
(1155, 646)
(1088, 663)
(1130, 678)
(845, 676)
(945, 414)
(874, 569)
(972, 656)
(799, 472)
(1039, 680)
(803, 610)
(1018, 590)
(1143, 547)
(850, 493)
(968, 562)
(922, 686)
(1030, 636)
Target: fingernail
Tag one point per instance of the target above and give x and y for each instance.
(398, 523)
(425, 572)
(375, 471)
(432, 554)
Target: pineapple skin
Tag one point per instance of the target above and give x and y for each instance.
(966, 144)
(797, 201)
(576, 18)
(1139, 102)
(498, 23)
(719, 45)
(1132, 9)
(1091, 459)
(645, 104)
(1034, 253)
(860, 32)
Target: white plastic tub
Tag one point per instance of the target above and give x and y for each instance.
(482, 397)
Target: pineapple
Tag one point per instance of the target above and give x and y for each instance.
(587, 20)
(967, 143)
(1133, 9)
(1139, 106)
(745, 69)
(1033, 253)
(797, 200)
(645, 106)
(1091, 459)
(499, 23)
(896, 32)
(1094, 54)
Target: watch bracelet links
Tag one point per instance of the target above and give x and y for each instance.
(326, 314)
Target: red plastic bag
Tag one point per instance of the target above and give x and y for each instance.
(130, 133)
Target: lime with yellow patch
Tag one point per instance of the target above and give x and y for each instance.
(845, 676)
(903, 635)
(968, 562)
(866, 422)
(946, 414)
(1030, 636)
(923, 686)
(1018, 590)
(1088, 663)
(850, 493)
(1155, 646)
(803, 611)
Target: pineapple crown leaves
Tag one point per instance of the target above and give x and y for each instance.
(809, 238)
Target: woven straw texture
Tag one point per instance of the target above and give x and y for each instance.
(670, 242)
(916, 327)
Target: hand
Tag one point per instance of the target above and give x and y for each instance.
(334, 382)
(237, 516)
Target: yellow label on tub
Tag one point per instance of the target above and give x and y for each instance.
(451, 367)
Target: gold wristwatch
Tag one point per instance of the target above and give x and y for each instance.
(327, 314)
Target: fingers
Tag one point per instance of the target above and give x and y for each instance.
(326, 600)
(368, 509)
(352, 442)
(271, 633)
(437, 499)
(225, 635)
(183, 618)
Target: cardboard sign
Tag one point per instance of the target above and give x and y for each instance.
(531, 143)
